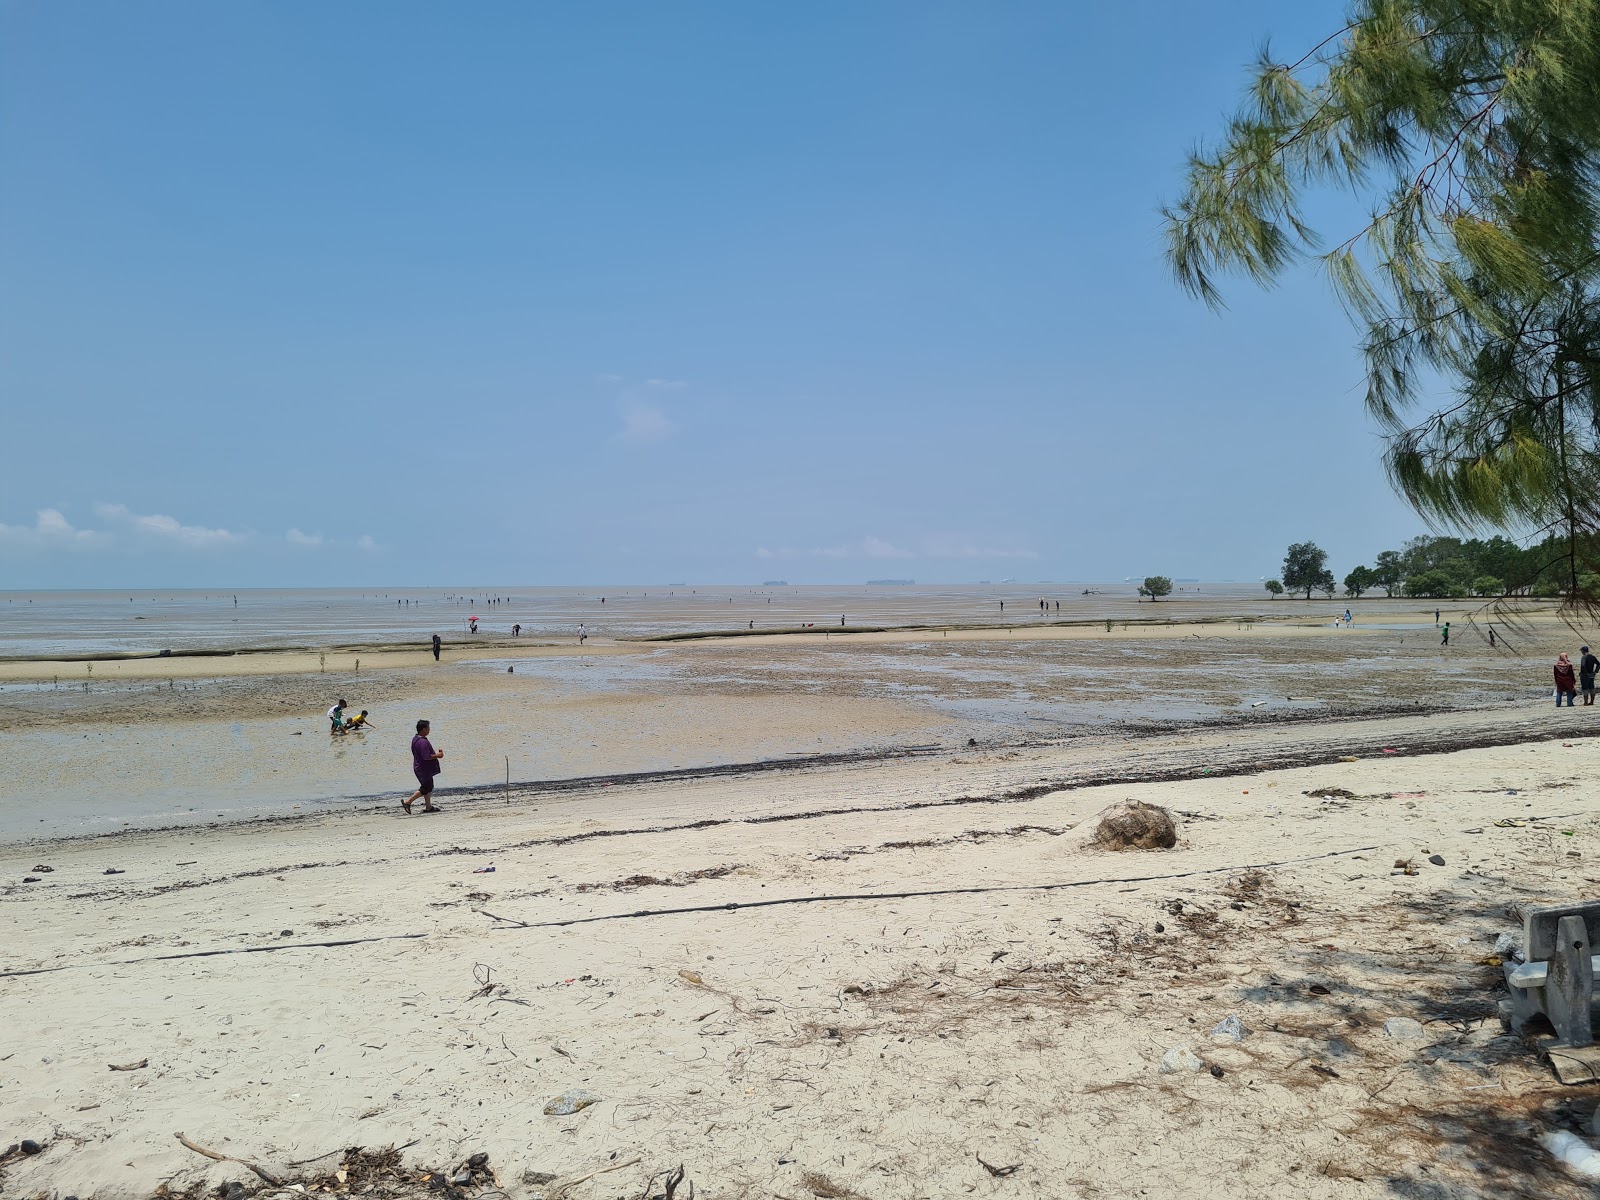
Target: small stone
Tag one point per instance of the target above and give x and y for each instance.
(481, 1159)
(1216, 1072)
(1230, 1028)
(1403, 1029)
(29, 1146)
(530, 1176)
(570, 1101)
(286, 933)
(1180, 1060)
(1509, 945)
(1436, 859)
(1160, 928)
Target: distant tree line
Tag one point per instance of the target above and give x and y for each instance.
(1442, 568)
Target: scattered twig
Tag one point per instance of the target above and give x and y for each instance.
(138, 1066)
(509, 1050)
(302, 1162)
(561, 1187)
(998, 1172)
(266, 1175)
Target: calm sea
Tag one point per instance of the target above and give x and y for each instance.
(34, 624)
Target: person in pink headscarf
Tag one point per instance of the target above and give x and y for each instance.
(1566, 680)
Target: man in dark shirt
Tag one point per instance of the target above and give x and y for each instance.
(424, 765)
(1588, 666)
(436, 645)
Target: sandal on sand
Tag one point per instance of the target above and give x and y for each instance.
(406, 804)
(432, 809)
(1511, 823)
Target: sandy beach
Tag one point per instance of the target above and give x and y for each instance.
(893, 964)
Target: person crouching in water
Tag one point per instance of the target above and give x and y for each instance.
(425, 766)
(1566, 682)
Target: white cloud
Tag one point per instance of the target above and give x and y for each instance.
(49, 528)
(195, 537)
(645, 423)
(365, 542)
(607, 377)
(295, 538)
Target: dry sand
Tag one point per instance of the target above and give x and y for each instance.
(906, 978)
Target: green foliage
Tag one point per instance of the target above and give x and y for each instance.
(1274, 588)
(1358, 581)
(1434, 584)
(1156, 586)
(1471, 129)
(1389, 571)
(1305, 567)
(1487, 585)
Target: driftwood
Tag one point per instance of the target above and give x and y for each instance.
(561, 1187)
(138, 1066)
(266, 1175)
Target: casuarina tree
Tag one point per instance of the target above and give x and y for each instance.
(1471, 131)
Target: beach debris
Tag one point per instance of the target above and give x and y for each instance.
(1229, 1028)
(27, 1147)
(265, 1175)
(483, 870)
(691, 977)
(30, 879)
(571, 1101)
(1510, 823)
(1572, 1152)
(1436, 859)
(119, 870)
(136, 1066)
(561, 1187)
(1508, 945)
(1133, 824)
(997, 1172)
(1406, 866)
(1327, 1072)
(1349, 758)
(1403, 1029)
(671, 1181)
(42, 869)
(1216, 1071)
(535, 1178)
(1180, 1060)
(1318, 989)
(1332, 793)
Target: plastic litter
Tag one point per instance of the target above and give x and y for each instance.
(1573, 1152)
(483, 870)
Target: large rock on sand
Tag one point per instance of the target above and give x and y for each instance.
(1135, 825)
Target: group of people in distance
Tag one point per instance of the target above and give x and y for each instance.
(1570, 680)
(342, 724)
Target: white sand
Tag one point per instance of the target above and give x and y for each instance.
(1012, 1023)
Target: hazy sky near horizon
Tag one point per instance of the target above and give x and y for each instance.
(416, 293)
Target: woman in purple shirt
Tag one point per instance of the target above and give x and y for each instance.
(424, 765)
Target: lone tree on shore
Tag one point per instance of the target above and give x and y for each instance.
(1471, 132)
(1155, 586)
(1358, 581)
(1274, 588)
(1305, 569)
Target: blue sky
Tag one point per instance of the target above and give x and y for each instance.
(417, 294)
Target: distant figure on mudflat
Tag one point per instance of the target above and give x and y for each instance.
(1588, 666)
(436, 645)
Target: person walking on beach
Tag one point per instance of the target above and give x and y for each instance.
(436, 644)
(1566, 682)
(425, 766)
(336, 717)
(582, 633)
(1491, 637)
(1436, 616)
(1445, 639)
(1588, 667)
(516, 631)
